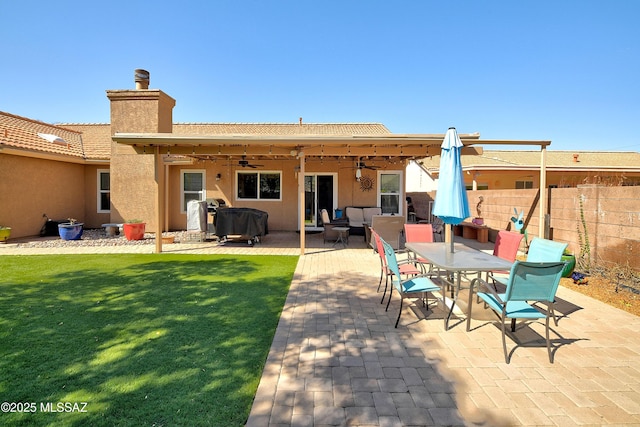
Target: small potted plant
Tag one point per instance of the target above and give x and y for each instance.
(5, 233)
(478, 220)
(134, 229)
(71, 230)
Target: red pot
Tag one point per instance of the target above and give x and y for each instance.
(134, 230)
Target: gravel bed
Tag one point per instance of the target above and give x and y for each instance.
(96, 237)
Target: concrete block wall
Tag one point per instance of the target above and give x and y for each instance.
(611, 215)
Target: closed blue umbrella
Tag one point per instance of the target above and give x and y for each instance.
(451, 204)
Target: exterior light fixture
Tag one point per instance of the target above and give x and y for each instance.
(358, 174)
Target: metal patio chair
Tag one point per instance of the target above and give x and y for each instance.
(529, 282)
(418, 284)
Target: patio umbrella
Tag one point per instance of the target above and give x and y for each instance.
(451, 204)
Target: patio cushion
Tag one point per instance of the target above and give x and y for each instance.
(368, 213)
(356, 216)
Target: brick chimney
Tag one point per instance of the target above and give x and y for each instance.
(142, 110)
(133, 182)
(575, 158)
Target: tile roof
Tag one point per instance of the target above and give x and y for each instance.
(559, 160)
(22, 134)
(93, 140)
(280, 129)
(96, 139)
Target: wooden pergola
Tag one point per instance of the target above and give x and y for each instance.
(387, 147)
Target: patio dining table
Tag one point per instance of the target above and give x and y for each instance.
(463, 260)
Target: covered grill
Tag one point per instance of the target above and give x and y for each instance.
(250, 224)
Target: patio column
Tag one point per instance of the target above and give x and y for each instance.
(159, 205)
(301, 200)
(543, 190)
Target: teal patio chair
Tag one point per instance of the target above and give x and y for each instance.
(540, 250)
(543, 250)
(529, 282)
(418, 284)
(405, 268)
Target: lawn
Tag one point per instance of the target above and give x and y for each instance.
(136, 340)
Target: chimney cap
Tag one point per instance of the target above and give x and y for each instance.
(141, 78)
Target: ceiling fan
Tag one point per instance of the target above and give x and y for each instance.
(245, 163)
(362, 165)
(359, 164)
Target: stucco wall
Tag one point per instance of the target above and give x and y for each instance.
(611, 214)
(133, 188)
(93, 219)
(32, 187)
(283, 215)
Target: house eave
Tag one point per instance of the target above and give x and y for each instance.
(51, 156)
(553, 168)
(396, 145)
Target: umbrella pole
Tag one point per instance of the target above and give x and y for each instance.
(451, 233)
(448, 236)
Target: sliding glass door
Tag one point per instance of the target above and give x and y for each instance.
(320, 192)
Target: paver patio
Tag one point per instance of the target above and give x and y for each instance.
(336, 358)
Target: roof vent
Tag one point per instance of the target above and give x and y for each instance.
(142, 79)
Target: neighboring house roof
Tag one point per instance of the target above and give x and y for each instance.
(22, 135)
(280, 129)
(555, 160)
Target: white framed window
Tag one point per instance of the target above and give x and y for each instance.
(263, 185)
(104, 191)
(478, 187)
(390, 192)
(192, 187)
(523, 184)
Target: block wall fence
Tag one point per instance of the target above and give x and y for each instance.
(611, 216)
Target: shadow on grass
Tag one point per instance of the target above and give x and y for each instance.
(142, 339)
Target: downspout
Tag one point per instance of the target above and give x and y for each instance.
(159, 178)
(421, 166)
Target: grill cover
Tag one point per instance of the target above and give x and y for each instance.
(197, 216)
(241, 221)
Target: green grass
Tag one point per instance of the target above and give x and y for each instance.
(144, 340)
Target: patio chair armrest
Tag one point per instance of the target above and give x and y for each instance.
(429, 276)
(484, 286)
(406, 261)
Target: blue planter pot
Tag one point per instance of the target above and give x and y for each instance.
(70, 231)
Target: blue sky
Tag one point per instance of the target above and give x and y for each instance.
(562, 70)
